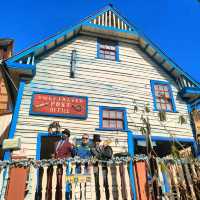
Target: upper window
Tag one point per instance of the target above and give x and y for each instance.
(107, 49)
(163, 97)
(113, 118)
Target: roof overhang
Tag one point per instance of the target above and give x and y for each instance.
(190, 92)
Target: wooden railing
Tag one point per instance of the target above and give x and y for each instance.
(92, 181)
(176, 179)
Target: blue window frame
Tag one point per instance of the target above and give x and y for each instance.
(112, 118)
(162, 96)
(107, 49)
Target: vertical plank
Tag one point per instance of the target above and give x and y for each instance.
(73, 184)
(110, 183)
(172, 167)
(109, 12)
(54, 182)
(83, 185)
(101, 184)
(93, 189)
(119, 188)
(106, 19)
(127, 179)
(5, 182)
(44, 182)
(114, 20)
(63, 181)
(103, 22)
(189, 179)
(17, 183)
(1, 177)
(118, 21)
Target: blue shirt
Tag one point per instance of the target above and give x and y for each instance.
(83, 151)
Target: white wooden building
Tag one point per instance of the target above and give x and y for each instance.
(118, 74)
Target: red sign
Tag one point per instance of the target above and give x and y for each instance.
(59, 105)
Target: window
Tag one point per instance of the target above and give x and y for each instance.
(107, 49)
(163, 97)
(113, 118)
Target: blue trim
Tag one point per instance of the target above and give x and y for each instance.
(39, 140)
(15, 116)
(153, 83)
(189, 91)
(131, 150)
(31, 112)
(164, 139)
(22, 67)
(102, 108)
(116, 49)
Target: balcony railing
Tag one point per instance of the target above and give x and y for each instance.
(50, 180)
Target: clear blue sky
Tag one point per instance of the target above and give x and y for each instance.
(174, 25)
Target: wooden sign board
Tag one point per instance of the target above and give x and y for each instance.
(78, 178)
(14, 144)
(59, 105)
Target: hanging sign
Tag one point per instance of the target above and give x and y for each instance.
(80, 178)
(59, 105)
(14, 144)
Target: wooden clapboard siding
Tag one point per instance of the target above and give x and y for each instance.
(104, 82)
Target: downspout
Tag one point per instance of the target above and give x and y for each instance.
(131, 151)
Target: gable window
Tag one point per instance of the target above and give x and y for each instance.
(163, 97)
(112, 118)
(107, 49)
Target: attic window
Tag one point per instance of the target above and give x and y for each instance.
(163, 97)
(107, 50)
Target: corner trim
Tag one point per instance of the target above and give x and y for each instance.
(15, 116)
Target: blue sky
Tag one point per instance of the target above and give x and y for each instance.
(174, 25)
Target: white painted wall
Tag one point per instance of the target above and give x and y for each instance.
(106, 83)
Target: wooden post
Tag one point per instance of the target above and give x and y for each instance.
(101, 183)
(110, 182)
(187, 172)
(54, 182)
(44, 182)
(93, 189)
(63, 182)
(118, 182)
(127, 179)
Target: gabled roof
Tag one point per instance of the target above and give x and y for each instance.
(107, 21)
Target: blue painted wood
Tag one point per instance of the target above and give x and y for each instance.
(131, 150)
(153, 82)
(22, 67)
(15, 116)
(102, 108)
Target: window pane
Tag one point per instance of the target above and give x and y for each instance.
(120, 124)
(119, 115)
(105, 123)
(112, 114)
(105, 114)
(113, 124)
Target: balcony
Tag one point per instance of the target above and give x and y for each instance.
(56, 179)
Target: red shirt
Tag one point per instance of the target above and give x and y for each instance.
(63, 149)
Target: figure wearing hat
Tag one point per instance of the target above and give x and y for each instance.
(101, 151)
(63, 148)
